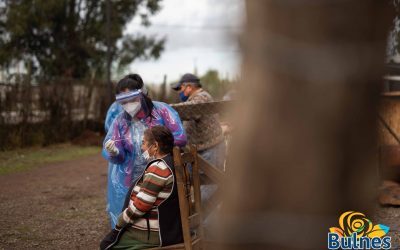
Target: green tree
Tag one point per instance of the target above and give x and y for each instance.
(69, 37)
(214, 84)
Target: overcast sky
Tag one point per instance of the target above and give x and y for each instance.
(199, 34)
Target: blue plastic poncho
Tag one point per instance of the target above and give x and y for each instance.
(113, 111)
(129, 163)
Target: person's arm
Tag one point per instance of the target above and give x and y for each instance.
(154, 181)
(173, 122)
(113, 134)
(195, 100)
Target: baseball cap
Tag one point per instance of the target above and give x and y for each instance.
(186, 78)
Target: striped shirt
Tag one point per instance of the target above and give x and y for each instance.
(150, 191)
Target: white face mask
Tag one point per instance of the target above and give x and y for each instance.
(147, 156)
(131, 108)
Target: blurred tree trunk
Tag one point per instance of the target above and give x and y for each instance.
(305, 150)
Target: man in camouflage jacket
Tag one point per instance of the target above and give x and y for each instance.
(204, 131)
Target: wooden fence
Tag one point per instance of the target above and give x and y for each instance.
(32, 114)
(58, 111)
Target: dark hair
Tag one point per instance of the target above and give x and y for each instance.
(133, 82)
(163, 136)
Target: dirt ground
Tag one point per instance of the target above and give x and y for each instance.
(62, 206)
(58, 206)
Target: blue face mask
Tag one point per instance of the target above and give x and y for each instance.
(183, 97)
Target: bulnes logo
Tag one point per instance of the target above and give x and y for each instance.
(357, 232)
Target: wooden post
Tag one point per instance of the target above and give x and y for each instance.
(305, 147)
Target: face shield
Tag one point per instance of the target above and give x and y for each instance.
(130, 101)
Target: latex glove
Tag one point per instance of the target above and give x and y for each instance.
(111, 148)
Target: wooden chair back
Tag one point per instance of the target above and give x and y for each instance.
(188, 185)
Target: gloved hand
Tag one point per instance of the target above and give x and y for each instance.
(111, 148)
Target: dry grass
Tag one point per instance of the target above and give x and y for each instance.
(28, 158)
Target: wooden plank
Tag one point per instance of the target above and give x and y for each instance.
(194, 220)
(197, 244)
(390, 130)
(187, 157)
(192, 111)
(390, 113)
(183, 203)
(390, 94)
(211, 171)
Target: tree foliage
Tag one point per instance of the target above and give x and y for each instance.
(216, 85)
(69, 37)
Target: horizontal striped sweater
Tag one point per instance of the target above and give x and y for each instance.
(149, 192)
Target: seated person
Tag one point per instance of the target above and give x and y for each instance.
(151, 215)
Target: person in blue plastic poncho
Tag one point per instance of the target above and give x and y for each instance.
(121, 146)
(112, 112)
